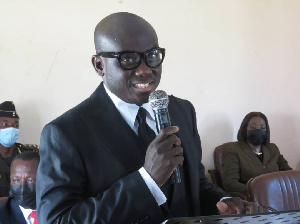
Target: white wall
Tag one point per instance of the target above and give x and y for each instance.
(228, 57)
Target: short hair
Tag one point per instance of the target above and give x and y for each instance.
(242, 133)
(27, 156)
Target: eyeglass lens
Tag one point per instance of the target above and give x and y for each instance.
(130, 60)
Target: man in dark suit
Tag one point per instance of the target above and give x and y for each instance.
(19, 208)
(94, 166)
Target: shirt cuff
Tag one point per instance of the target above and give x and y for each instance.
(224, 198)
(154, 189)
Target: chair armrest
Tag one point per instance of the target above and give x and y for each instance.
(216, 178)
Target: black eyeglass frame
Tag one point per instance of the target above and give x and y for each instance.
(118, 55)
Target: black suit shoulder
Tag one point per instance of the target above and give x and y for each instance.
(10, 212)
(179, 102)
(73, 115)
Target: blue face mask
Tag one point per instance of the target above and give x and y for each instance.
(8, 136)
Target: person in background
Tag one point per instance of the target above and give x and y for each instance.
(9, 148)
(19, 208)
(104, 162)
(252, 155)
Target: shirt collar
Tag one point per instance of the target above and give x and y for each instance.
(127, 110)
(26, 212)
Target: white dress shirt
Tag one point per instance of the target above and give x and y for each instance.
(26, 214)
(128, 112)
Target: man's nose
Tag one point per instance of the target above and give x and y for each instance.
(22, 182)
(10, 125)
(143, 69)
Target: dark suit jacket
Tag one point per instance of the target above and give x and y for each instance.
(241, 164)
(10, 213)
(90, 158)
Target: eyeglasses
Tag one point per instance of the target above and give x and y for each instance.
(130, 60)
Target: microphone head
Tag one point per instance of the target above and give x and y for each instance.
(159, 100)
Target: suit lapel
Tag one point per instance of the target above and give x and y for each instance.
(253, 157)
(181, 189)
(248, 151)
(121, 140)
(16, 216)
(267, 154)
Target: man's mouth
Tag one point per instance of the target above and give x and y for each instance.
(142, 85)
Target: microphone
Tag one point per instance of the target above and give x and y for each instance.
(159, 101)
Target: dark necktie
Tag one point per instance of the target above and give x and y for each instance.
(33, 215)
(146, 134)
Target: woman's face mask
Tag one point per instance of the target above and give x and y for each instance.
(256, 137)
(24, 195)
(8, 136)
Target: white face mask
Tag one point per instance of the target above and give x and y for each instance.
(8, 136)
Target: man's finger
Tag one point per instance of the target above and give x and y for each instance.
(236, 203)
(166, 132)
(223, 207)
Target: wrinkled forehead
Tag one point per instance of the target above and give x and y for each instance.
(124, 33)
(24, 167)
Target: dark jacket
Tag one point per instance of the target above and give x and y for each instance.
(10, 213)
(241, 164)
(90, 158)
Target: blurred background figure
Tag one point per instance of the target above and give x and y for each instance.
(252, 155)
(19, 208)
(9, 134)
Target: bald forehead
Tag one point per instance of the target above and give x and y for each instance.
(124, 31)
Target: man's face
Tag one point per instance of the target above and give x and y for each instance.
(7, 122)
(132, 86)
(22, 181)
(23, 172)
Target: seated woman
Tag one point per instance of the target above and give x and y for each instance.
(252, 155)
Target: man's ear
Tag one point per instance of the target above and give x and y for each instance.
(98, 65)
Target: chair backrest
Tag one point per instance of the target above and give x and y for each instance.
(218, 160)
(278, 190)
(218, 156)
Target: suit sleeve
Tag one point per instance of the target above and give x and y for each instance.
(282, 162)
(209, 193)
(231, 172)
(61, 189)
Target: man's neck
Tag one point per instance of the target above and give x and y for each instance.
(6, 152)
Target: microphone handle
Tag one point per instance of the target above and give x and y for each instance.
(162, 119)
